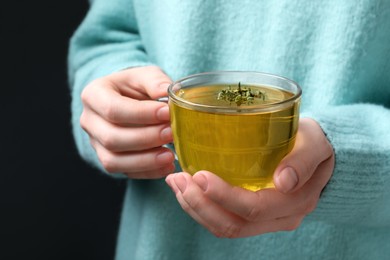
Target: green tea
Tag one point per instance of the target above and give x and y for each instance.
(243, 147)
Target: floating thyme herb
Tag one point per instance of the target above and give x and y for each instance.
(241, 95)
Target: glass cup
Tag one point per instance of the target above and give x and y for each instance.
(238, 125)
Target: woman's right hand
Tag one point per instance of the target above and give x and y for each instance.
(126, 125)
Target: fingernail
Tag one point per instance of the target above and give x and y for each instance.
(288, 179)
(181, 182)
(164, 157)
(201, 180)
(163, 113)
(166, 134)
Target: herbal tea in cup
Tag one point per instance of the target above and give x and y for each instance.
(238, 125)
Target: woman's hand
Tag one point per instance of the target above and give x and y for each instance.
(126, 125)
(233, 212)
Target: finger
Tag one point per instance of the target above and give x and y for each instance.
(201, 209)
(217, 220)
(121, 139)
(311, 148)
(150, 80)
(267, 204)
(136, 163)
(118, 109)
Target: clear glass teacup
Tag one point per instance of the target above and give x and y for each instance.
(238, 125)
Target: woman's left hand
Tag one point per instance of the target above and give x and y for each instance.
(228, 211)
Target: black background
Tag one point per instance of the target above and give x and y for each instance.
(52, 204)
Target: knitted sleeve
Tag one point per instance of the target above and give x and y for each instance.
(358, 193)
(106, 41)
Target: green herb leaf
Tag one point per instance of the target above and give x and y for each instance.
(241, 95)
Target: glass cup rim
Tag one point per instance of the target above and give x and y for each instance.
(231, 109)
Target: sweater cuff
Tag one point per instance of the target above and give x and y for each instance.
(360, 137)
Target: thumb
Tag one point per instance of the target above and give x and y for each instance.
(310, 150)
(151, 79)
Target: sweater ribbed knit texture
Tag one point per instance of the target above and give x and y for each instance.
(338, 51)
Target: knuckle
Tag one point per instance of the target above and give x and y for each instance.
(323, 142)
(194, 202)
(329, 148)
(110, 111)
(216, 233)
(88, 92)
(255, 213)
(231, 230)
(185, 206)
(108, 162)
(108, 140)
(310, 206)
(294, 224)
(83, 120)
(85, 95)
(308, 203)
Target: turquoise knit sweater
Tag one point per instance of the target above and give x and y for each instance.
(338, 51)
